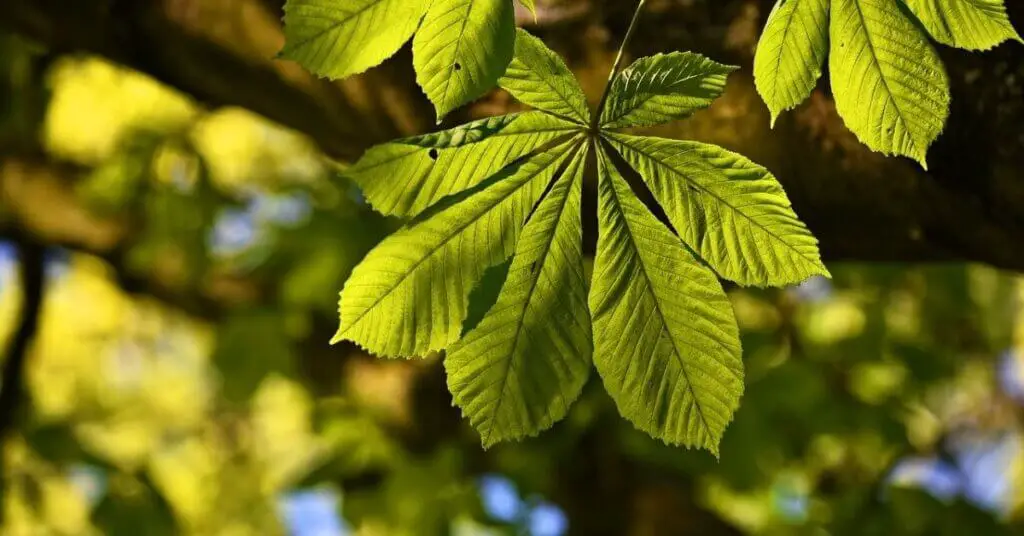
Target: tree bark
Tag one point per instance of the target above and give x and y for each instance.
(862, 206)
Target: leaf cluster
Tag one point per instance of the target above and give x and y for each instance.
(890, 86)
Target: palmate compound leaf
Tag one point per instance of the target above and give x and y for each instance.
(521, 368)
(791, 53)
(460, 48)
(728, 209)
(665, 339)
(409, 296)
(889, 85)
(405, 177)
(969, 24)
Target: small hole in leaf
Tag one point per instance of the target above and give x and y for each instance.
(433, 154)
(458, 66)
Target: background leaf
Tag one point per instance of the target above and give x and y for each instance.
(970, 24)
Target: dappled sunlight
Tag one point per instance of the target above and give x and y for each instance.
(181, 379)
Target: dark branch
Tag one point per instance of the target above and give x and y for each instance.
(12, 383)
(12, 387)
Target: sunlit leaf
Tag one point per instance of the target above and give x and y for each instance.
(970, 24)
(339, 38)
(538, 77)
(791, 53)
(665, 339)
(730, 210)
(404, 177)
(462, 49)
(521, 368)
(664, 87)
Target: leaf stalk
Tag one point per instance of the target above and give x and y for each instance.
(595, 121)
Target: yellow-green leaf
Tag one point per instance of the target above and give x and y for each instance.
(462, 50)
(970, 24)
(791, 53)
(665, 338)
(890, 87)
(521, 368)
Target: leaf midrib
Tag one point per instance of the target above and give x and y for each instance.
(881, 74)
(657, 304)
(529, 297)
(352, 15)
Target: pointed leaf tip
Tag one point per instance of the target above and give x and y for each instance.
(678, 374)
(872, 43)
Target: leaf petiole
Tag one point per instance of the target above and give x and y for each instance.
(595, 120)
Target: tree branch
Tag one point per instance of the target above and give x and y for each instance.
(862, 206)
(31, 264)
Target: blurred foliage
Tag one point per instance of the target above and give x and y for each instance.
(887, 401)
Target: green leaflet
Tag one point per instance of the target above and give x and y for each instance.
(665, 339)
(339, 38)
(889, 85)
(409, 295)
(526, 362)
(662, 88)
(462, 50)
(791, 53)
(970, 24)
(538, 77)
(405, 177)
(728, 209)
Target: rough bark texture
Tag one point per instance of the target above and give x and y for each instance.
(861, 205)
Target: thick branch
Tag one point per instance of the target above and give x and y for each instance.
(862, 206)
